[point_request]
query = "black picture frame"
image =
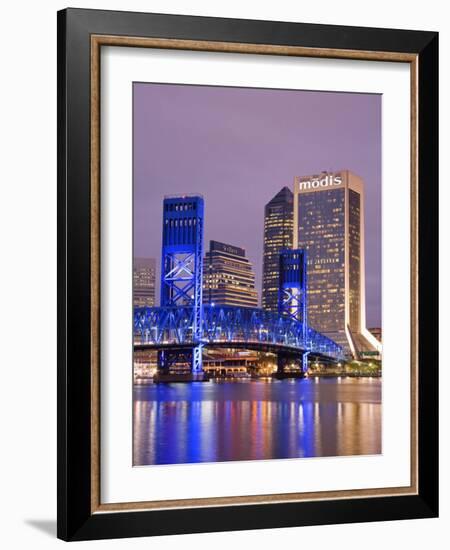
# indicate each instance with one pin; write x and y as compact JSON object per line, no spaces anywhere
{"x":75,"y":478}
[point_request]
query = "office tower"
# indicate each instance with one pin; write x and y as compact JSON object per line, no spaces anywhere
{"x":228,"y":277}
{"x":144,"y":282}
{"x":278,"y":228}
{"x":329,"y":225}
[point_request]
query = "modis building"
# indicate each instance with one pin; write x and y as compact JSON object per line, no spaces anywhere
{"x":329,"y":225}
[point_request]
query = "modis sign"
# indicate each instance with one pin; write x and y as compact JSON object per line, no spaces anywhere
{"x":328,"y":180}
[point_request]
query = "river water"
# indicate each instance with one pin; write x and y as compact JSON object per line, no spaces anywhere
{"x":258,"y":419}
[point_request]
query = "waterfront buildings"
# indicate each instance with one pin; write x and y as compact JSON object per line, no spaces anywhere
{"x":144,"y":282}
{"x":278,"y":227}
{"x":329,"y":225}
{"x":228,"y":276}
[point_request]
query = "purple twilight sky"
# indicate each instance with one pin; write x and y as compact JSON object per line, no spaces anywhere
{"x":238,"y":147}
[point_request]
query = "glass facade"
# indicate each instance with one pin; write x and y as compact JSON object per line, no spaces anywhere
{"x":228,"y":277}
{"x":354,"y":260}
{"x":278,"y":233}
{"x":321,"y":232}
{"x":144,"y":273}
{"x":329,"y":225}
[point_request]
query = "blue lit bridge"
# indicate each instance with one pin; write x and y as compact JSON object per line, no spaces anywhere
{"x":228,"y":326}
{"x":184,"y":325}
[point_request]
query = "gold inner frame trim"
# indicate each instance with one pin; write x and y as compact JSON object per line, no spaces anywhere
{"x":97,"y":41}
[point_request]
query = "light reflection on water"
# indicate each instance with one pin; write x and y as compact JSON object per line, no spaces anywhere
{"x":216,"y":422}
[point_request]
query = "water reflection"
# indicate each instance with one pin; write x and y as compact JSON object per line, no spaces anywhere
{"x":215,"y":422}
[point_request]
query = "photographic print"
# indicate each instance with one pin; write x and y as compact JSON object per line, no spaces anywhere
{"x":246,"y":315}
{"x":257,"y":300}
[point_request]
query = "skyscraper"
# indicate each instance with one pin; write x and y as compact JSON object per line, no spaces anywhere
{"x":228,"y":277}
{"x":278,"y":227}
{"x":144,"y":282}
{"x":329,"y":225}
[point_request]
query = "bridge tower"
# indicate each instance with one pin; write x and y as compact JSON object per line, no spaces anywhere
{"x":292,"y":294}
{"x":182,"y":264}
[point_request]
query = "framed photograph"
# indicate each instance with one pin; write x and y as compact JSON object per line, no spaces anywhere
{"x":247,"y":254}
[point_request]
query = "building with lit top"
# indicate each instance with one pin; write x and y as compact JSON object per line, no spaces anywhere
{"x":329,"y":225}
{"x":228,"y":277}
{"x":144,"y":271}
{"x":278,"y":228}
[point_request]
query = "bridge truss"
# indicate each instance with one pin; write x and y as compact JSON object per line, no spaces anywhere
{"x":158,"y":327}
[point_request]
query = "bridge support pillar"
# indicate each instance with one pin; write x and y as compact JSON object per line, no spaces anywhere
{"x":289,"y":365}
{"x":197,"y":360}
{"x":170,"y":361}
{"x":163,"y":361}
{"x":282,"y":361}
{"x":179,"y":365}
{"x":305,"y":361}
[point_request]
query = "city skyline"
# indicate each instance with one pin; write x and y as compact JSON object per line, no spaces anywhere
{"x":235,"y":214}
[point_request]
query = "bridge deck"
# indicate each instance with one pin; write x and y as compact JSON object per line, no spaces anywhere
{"x":228,"y":326}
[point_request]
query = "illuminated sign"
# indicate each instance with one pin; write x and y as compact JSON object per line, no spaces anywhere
{"x":228,"y":249}
{"x":329,"y":180}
